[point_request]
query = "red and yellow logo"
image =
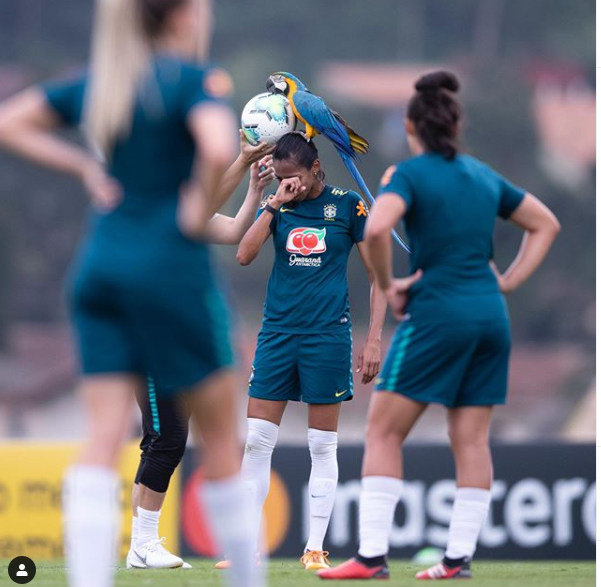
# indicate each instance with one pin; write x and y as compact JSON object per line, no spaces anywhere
{"x":195,"y":525}
{"x":306,"y":241}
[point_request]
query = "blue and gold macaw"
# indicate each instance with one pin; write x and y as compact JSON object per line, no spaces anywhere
{"x":319,"y":118}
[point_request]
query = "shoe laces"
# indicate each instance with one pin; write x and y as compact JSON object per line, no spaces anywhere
{"x":315,"y":556}
{"x":438,"y":570}
{"x":156,"y":545}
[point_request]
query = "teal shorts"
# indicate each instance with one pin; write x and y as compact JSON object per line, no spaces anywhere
{"x":312,"y":368}
{"x":127,"y":320}
{"x":454,"y":363}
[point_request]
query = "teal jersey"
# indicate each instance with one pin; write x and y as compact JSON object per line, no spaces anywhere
{"x":143,"y":295}
{"x":158,"y":154}
{"x":308,"y":287}
{"x":450,"y":219}
{"x":150,"y":163}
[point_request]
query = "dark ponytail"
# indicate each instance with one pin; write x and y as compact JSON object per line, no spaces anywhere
{"x":436,"y":113}
{"x":295,"y":147}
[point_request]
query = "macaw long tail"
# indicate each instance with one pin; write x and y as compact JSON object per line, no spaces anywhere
{"x":350,"y":165}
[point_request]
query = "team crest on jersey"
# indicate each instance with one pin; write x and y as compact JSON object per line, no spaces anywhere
{"x":329,"y":212}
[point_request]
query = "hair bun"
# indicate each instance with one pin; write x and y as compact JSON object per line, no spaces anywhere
{"x":437,"y":80}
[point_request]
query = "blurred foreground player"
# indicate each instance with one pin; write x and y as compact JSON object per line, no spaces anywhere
{"x":165,"y":419}
{"x":143,"y":294}
{"x":453,"y":344}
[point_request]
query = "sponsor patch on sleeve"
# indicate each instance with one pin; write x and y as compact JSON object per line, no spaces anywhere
{"x":387,"y":177}
{"x":218,"y":83}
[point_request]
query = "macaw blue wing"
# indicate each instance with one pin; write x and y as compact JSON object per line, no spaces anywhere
{"x":318,"y":115}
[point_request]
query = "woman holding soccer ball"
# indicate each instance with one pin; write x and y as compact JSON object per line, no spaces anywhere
{"x":144,"y":298}
{"x":304,"y":350}
{"x":453,"y":344}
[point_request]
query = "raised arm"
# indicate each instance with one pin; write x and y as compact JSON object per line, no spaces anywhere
{"x":541,"y":228}
{"x":27,"y":128}
{"x":371,"y":355}
{"x":214,"y":130}
{"x":259,"y":232}
{"x":232,"y":178}
{"x":226,"y":230}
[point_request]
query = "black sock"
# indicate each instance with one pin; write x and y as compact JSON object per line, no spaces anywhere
{"x":451,"y":563}
{"x":373,"y":561}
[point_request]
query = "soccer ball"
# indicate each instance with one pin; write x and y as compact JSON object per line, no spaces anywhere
{"x":267,"y":117}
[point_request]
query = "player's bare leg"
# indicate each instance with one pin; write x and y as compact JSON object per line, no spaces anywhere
{"x":91,"y":487}
{"x":264,"y":419}
{"x":213,"y":407}
{"x":469,"y":433}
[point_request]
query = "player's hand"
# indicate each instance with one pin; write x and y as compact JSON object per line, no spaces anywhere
{"x":288,"y":190}
{"x":104,"y":191}
{"x":191,"y":211}
{"x":501,"y":280}
{"x":398,"y":293}
{"x":369,"y":361}
{"x":262,"y":173}
{"x":252,"y":153}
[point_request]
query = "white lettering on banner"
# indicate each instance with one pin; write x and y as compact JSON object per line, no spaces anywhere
{"x":533,"y":513}
{"x":589,"y":512}
{"x":412,"y":532}
{"x":567,"y":491}
{"x":493,"y":536}
{"x":527,"y":507}
{"x":439,"y":505}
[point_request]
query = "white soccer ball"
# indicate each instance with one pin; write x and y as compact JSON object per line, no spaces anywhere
{"x":267,"y":117}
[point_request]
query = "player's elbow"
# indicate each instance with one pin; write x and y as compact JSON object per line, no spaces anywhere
{"x":554,"y":225}
{"x":219,"y":158}
{"x":375,"y":232}
{"x":243,"y":256}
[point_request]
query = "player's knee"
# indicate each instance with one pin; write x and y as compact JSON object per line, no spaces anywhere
{"x":378,"y":437}
{"x":261,"y":437}
{"x":157,"y":472}
{"x":322,"y":444}
{"x":467,"y":439}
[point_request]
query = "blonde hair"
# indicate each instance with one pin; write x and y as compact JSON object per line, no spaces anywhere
{"x":120,"y":58}
{"x":124,"y":31}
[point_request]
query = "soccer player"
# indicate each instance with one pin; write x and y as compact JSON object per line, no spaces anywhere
{"x":304,"y":350}
{"x":143,"y":295}
{"x":453,"y":344}
{"x":164,"y":419}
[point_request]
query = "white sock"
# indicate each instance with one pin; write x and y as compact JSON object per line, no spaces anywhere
{"x":379,"y":497}
{"x":91,"y":518}
{"x":148,"y":526}
{"x":261,"y":439}
{"x":134,"y":531}
{"x":228,"y":509}
{"x":322,"y":484}
{"x":469,"y":514}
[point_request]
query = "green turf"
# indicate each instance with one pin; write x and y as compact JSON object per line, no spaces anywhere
{"x":287,"y":573}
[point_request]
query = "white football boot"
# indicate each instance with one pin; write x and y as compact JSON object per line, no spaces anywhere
{"x":153,"y":555}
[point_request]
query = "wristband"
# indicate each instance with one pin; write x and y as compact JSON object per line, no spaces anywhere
{"x":271,"y":209}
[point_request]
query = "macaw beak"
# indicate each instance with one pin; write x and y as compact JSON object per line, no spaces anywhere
{"x":276,"y":86}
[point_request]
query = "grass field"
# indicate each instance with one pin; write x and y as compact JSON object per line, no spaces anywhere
{"x":288,"y":573}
